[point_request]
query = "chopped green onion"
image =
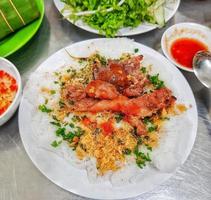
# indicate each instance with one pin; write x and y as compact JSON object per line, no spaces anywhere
{"x":43,"y":108}
{"x":55,"y":143}
{"x":156,"y":81}
{"x":126,"y":151}
{"x":119,"y":117}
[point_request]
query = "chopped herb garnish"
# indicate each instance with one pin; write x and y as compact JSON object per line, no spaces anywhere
{"x":56,"y":82}
{"x":55,"y":118}
{"x":79,"y":131}
{"x":141,"y":158}
{"x":60,"y":132}
{"x":62,"y":84}
{"x":69,"y":136}
{"x":149,"y":148}
{"x":71,"y":125}
{"x":53,"y":92}
{"x":68,"y":71}
{"x":126,"y":151}
{"x":139,"y":141}
{"x":76,"y":118}
{"x":119,"y":117}
{"x":136,"y":50}
{"x":61,"y":104}
{"x":143,"y":70}
{"x":150,"y":125}
{"x":156,"y":81}
{"x":165,"y":118}
{"x":43,"y":108}
{"x":55,"y":143}
{"x":56,"y":124}
{"x":46,"y":101}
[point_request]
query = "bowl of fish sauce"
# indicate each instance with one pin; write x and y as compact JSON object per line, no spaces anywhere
{"x":182,"y":41}
{"x":10,"y":90}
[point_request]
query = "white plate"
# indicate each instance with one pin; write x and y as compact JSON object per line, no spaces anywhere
{"x":170,"y":10}
{"x":180,"y":138}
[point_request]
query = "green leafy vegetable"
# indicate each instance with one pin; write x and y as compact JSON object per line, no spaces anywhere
{"x":141,"y":158}
{"x":126,"y":151}
{"x":143,"y":70}
{"x":156,"y":81}
{"x":136,"y":50}
{"x":56,"y":124}
{"x":61,"y":104}
{"x":76,"y":118}
{"x":119,"y":117}
{"x":53,"y":92}
{"x":150,"y":125}
{"x":55,"y":143}
{"x":109,"y":16}
{"x":43,"y":108}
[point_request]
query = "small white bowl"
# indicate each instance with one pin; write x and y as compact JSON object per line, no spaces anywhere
{"x":8,"y":67}
{"x":184,"y":30}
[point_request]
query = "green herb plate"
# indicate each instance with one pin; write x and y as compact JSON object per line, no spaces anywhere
{"x":15,"y":41}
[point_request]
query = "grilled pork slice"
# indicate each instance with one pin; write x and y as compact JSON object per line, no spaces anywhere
{"x":143,"y":106}
{"x":101,"y":90}
{"x":124,"y":75}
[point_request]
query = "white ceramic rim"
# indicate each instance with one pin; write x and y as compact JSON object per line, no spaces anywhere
{"x":152,"y":186}
{"x":201,"y":28}
{"x":18,"y":79}
{"x":152,"y":26}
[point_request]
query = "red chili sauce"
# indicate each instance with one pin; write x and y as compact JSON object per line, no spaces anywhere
{"x":184,"y":49}
{"x":8,"y":90}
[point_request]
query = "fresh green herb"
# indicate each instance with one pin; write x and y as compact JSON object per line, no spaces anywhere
{"x":55,"y":143}
{"x":140,"y":141}
{"x":69,"y":136}
{"x":46,"y":101}
{"x":131,"y":13}
{"x":68,"y":71}
{"x":56,"y":82}
{"x":143,"y":70}
{"x":55,"y":118}
{"x":79,"y":131}
{"x":119,"y":117}
{"x":71,"y":125}
{"x":43,"y":108}
{"x":165,"y":118}
{"x":76,"y":118}
{"x":126,"y":151}
{"x":156,"y":81}
{"x":136,"y":50}
{"x":61,"y":104}
{"x":62,"y":84}
{"x":56,"y":73}
{"x":149,"y":148}
{"x":53,"y":92}
{"x":56,"y":124}
{"x":60,"y":132}
{"x":141,"y":158}
{"x":150,"y":125}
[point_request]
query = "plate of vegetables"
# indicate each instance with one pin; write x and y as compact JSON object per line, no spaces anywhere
{"x":118,"y":17}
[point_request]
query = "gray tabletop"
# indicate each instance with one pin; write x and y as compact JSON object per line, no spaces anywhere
{"x":19,"y":178}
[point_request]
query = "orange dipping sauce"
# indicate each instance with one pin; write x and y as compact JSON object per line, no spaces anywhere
{"x":184,"y":49}
{"x":8,"y":90}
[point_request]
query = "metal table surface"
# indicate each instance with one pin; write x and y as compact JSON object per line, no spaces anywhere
{"x":19,"y":178}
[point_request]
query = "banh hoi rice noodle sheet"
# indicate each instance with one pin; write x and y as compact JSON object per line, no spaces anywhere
{"x":114,"y":116}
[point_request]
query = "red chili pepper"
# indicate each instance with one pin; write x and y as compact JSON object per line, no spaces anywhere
{"x":86,"y":121}
{"x":107,"y":127}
